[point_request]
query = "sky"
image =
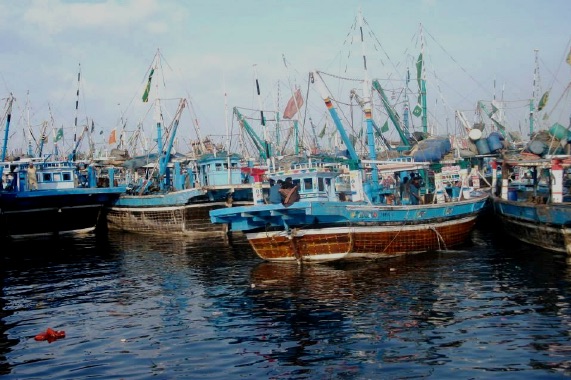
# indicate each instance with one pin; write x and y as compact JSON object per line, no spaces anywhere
{"x":214,"y":51}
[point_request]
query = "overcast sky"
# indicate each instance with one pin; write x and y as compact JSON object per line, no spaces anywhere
{"x":477,"y":49}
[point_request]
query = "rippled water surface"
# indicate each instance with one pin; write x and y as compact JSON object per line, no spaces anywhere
{"x":138,"y":307}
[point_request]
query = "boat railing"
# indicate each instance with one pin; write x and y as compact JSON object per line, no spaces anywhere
{"x":309,"y":167}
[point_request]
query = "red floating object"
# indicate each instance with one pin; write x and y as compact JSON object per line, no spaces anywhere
{"x":50,"y":335}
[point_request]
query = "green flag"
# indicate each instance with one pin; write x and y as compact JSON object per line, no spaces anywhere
{"x":59,"y":135}
{"x":543,"y":101}
{"x":417,"y":111}
{"x":148,"y":88}
{"x":385,"y":127}
{"x":419,"y":70}
{"x":322,"y":133}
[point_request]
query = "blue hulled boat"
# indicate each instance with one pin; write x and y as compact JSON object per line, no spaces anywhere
{"x":532,"y":200}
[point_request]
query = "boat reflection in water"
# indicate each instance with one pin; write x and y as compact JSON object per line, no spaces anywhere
{"x":311,"y":305}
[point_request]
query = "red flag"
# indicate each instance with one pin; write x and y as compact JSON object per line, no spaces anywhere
{"x":112,"y":139}
{"x":293,"y":105}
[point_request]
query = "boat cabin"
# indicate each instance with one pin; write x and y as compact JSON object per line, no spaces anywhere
{"x":219,"y":169}
{"x":315,"y":180}
{"x":50,"y":175}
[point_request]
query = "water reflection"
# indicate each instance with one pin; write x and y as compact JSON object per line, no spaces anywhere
{"x":171,"y":307}
{"x":343,"y":312}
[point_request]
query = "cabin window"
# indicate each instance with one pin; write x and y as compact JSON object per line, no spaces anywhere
{"x":320,"y":184}
{"x":218,"y":167}
{"x":46,"y":177}
{"x":308,"y":184}
{"x":66,"y":176}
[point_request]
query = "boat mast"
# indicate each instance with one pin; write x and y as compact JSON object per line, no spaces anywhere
{"x":43,"y":138}
{"x":316,"y":77}
{"x":367,"y":106}
{"x":535,"y":93}
{"x":229,"y":171}
{"x":226,"y":120}
{"x":74,"y":152}
{"x":30,"y":135}
{"x":164,"y":159}
{"x":9,"y":103}
{"x":422,"y":82}
{"x":263,"y":119}
{"x":56,"y":135}
{"x":406,"y":102}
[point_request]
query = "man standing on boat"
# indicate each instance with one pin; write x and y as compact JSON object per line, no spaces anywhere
{"x":414,"y":190}
{"x":275,"y":196}
{"x":31,"y":177}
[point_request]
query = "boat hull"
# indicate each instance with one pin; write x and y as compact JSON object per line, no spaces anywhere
{"x":53,"y":212}
{"x":357,"y":242}
{"x":327,"y":231}
{"x":546,"y":226}
{"x":190,"y":219}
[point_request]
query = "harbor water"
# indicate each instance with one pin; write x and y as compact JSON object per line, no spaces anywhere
{"x":136,"y":307}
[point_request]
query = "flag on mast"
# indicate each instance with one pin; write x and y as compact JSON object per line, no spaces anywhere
{"x":293,"y":105}
{"x":543,"y":101}
{"x":322,"y":133}
{"x":385,"y":127}
{"x":148,"y":88}
{"x":59,"y":135}
{"x":112,"y":138}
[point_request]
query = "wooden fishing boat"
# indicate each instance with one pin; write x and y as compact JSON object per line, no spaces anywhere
{"x":375,"y":218}
{"x":321,"y":227}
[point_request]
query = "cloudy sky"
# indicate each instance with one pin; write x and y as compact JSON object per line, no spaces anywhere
{"x":214,"y":50}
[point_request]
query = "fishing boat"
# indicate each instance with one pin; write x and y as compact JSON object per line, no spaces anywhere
{"x":172,"y":193}
{"x":532,"y":201}
{"x":159,"y":193}
{"x":68,"y":198}
{"x":323,"y":227}
{"x":373,"y":222}
{"x":531,"y":196}
{"x":44,"y":197}
{"x":196,"y":186}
